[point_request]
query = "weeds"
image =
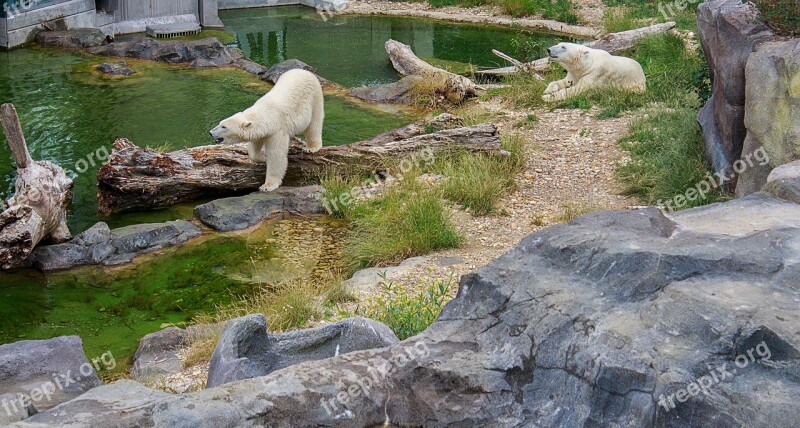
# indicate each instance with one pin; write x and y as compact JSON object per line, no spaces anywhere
{"x":559,"y":10}
{"x":405,"y":312}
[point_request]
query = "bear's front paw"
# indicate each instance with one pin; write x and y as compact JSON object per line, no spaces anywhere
{"x":548,"y":98}
{"x":552,"y":87}
{"x":312,"y":147}
{"x":270,"y":185}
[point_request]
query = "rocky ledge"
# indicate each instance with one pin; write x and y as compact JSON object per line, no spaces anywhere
{"x":100,"y":245}
{"x":623,"y":318}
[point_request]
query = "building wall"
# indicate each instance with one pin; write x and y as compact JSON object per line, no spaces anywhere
{"x":20,"y":28}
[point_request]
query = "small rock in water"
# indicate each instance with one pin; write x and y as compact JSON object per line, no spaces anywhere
{"x":115,"y":68}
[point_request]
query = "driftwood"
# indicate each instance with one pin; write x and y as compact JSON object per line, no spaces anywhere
{"x":137,"y":178}
{"x":37,"y":211}
{"x":611,"y":43}
{"x":408,"y":64}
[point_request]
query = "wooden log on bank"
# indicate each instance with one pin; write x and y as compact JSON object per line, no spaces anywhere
{"x":137,"y":178}
{"x":612,"y":43}
{"x":408,"y":64}
{"x":38,"y":209}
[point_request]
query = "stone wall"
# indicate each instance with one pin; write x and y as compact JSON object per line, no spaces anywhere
{"x":756,"y":94}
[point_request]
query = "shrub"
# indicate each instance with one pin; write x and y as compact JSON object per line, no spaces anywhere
{"x":405,"y":312}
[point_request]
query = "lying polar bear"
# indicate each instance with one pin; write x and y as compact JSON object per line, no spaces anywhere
{"x":589,"y":68}
{"x":294,"y":105}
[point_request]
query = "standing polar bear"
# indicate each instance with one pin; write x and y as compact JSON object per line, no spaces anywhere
{"x":589,"y":68}
{"x":294,"y":105}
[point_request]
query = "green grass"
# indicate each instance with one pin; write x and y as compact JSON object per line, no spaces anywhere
{"x":783,"y":16}
{"x":405,"y":312}
{"x":675,"y":78}
{"x":559,"y":10}
{"x":622,"y":15}
{"x":667,"y":157}
{"x":408,"y":220}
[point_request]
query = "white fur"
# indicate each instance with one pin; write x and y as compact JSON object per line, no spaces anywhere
{"x":294,"y":105}
{"x":589,"y":68}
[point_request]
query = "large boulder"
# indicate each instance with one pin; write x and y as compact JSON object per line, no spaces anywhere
{"x":72,"y":39}
{"x":157,"y":354}
{"x":208,"y":52}
{"x":245,"y":350}
{"x":772,"y":108}
{"x":101,"y":245}
{"x":729,"y":30}
{"x":241,"y":212}
{"x":40,"y":374}
{"x":784,"y":182}
{"x":624,"y":318}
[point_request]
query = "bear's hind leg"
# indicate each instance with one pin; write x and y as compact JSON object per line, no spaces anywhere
{"x":277,"y":149}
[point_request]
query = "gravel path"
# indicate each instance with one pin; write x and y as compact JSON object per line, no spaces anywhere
{"x":571,"y":164}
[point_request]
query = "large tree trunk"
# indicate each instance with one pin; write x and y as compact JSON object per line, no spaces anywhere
{"x":137,"y":178}
{"x":612,"y":43}
{"x":408,"y":64}
{"x":37,"y":211}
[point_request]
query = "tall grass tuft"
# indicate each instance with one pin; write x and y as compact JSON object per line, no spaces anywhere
{"x":667,"y":157}
{"x":406,"y":221}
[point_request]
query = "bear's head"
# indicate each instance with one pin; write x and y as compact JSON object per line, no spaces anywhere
{"x":235,"y":129}
{"x":569,"y":55}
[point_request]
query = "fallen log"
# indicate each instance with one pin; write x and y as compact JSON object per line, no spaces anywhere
{"x":37,"y":211}
{"x":611,"y":43}
{"x":407,"y":63}
{"x":137,"y":178}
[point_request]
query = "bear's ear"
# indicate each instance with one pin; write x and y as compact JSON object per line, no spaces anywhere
{"x":247,"y":125}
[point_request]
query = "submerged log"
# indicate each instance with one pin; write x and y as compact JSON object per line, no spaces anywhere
{"x":612,"y":43}
{"x":408,"y":64}
{"x":137,"y":178}
{"x":37,"y":211}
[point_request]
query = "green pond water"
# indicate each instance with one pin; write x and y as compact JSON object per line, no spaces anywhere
{"x":349,"y":50}
{"x":71,"y":114}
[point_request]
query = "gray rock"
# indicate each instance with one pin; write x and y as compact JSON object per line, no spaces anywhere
{"x":46,"y":372}
{"x":208,"y":52}
{"x":613,"y":319}
{"x":115,"y":68}
{"x":72,"y":39}
{"x":241,"y":212}
{"x":277,"y":70}
{"x":398,"y":92}
{"x":96,"y":234}
{"x":728,"y":30}
{"x":245,"y":350}
{"x":369,"y":279}
{"x":157,"y":354}
{"x":100,"y":245}
{"x":772,"y":103}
